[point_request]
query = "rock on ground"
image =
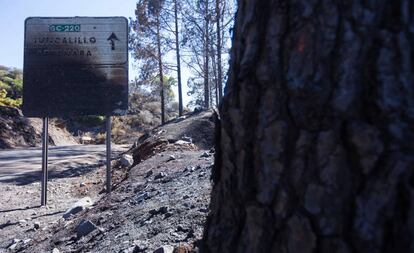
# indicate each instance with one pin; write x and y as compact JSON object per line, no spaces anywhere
{"x":84,"y":228}
{"x":165,"y":249}
{"x":127,"y":160}
{"x":77,"y":207}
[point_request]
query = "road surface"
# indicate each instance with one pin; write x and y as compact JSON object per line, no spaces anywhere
{"x":25,"y":165}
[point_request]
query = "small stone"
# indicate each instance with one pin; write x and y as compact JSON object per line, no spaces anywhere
{"x":164,"y":249}
{"x":182,"y":229}
{"x":55,"y":250}
{"x":159,"y":175}
{"x":15,"y":240}
{"x":168,"y":215}
{"x":182,"y":142}
{"x":36,"y":225}
{"x":22,"y":222}
{"x":79,"y":206}
{"x":187,"y":139}
{"x":127,"y":160}
{"x":139,"y":188}
{"x":84,"y":228}
{"x":174,"y":234}
{"x":26,"y":241}
{"x":189,"y":169}
{"x":171,"y":158}
{"x":205,"y":154}
{"x":149,"y":173}
{"x":142,"y":197}
{"x":13,"y":247}
{"x":82,"y":184}
{"x":163,"y":209}
{"x":138,"y":249}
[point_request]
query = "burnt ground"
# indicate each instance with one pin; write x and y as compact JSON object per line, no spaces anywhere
{"x":161,"y":200}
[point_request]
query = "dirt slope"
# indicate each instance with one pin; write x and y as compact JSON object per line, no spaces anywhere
{"x":18,"y":131}
{"x":162,"y":200}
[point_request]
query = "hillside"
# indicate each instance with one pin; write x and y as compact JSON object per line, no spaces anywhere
{"x":162,"y":200}
{"x":17,"y":131}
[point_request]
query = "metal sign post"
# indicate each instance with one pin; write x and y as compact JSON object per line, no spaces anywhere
{"x":108,"y":154}
{"x":45,"y":144}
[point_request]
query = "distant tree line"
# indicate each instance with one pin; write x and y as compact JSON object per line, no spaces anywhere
{"x":11,"y":86}
{"x":168,"y":34}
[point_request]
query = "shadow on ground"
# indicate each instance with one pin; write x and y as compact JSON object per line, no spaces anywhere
{"x":35,"y":176}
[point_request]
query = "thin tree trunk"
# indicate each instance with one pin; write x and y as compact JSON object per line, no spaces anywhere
{"x":219,"y":67}
{"x":177,"y":46}
{"x":206,"y":58}
{"x":315,"y":150}
{"x":160,"y":72}
{"x":214,"y":89}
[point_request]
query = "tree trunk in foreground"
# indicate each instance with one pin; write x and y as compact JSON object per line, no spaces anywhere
{"x":316,"y":150}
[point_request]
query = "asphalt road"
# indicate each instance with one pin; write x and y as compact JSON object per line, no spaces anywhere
{"x":24,"y":165}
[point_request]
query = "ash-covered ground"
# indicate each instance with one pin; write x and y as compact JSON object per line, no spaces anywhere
{"x":159,"y":202}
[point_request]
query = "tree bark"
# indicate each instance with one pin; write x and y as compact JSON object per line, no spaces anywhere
{"x":316,"y":143}
{"x":177,"y":48}
{"x":160,"y":71}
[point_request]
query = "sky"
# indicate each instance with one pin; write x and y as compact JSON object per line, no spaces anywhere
{"x":14,"y":12}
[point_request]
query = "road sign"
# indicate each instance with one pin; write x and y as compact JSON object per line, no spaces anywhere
{"x":75,"y":66}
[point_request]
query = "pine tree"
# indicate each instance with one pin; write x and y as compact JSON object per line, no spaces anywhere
{"x":148,"y":44}
{"x":315,"y":150}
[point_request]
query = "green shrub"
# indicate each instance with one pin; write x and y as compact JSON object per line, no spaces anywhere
{"x":91,"y":120}
{"x":11,"y":80}
{"x":4,"y":86}
{"x":6,"y":101}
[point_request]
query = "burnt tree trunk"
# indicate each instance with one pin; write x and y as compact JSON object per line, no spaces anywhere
{"x":160,"y":70}
{"x":219,"y":65}
{"x":206,"y":57}
{"x":178,"y":54}
{"x":316,"y":144}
